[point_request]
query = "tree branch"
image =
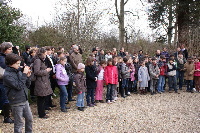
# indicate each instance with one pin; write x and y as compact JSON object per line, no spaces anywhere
{"x":125,"y":2}
{"x":142,"y":2}
{"x":117,"y":10}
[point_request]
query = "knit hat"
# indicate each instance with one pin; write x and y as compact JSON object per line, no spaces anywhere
{"x":81,"y":66}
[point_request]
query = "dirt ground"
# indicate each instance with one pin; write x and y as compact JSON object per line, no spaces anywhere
{"x":160,"y":113}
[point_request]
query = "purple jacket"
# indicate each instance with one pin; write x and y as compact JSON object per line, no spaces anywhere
{"x":61,"y":75}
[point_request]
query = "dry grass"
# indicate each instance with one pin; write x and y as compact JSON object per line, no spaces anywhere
{"x":168,"y":112}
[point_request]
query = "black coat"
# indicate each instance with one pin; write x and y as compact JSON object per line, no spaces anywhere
{"x":49,"y":65}
{"x":91,"y":73}
{"x":16,"y":84}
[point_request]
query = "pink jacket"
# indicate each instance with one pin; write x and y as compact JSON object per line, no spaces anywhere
{"x":132,"y":73}
{"x":111,"y":75}
{"x":197,"y":66}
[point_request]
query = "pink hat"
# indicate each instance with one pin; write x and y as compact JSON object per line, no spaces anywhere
{"x":81,"y":66}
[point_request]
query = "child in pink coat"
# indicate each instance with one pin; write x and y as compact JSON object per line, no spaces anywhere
{"x":100,"y":81}
{"x":111,"y":79}
{"x":197,"y":75}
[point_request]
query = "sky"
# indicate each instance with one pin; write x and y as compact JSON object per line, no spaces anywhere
{"x":40,"y":12}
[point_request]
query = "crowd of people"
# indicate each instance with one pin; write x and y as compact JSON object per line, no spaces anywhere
{"x":41,"y":70}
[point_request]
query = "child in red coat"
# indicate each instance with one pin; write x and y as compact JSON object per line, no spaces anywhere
{"x":111,"y":79}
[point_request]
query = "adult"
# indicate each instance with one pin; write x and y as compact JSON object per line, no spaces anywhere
{"x":75,"y":58}
{"x":101,"y":55}
{"x":6,"y":48}
{"x":95,"y":53}
{"x":32,"y":53}
{"x":50,"y":63}
{"x":114,"y":52}
{"x":180,"y":60}
{"x":158,"y":53}
{"x":122,"y":53}
{"x":108,"y":55}
{"x":184,"y":50}
{"x":42,"y":83}
{"x":140,"y":55}
{"x":176,"y":53}
{"x":25,"y":55}
{"x":17,"y":84}
{"x":165,"y":53}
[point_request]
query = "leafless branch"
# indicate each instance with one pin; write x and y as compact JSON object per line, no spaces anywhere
{"x":117,"y":10}
{"x":142,"y":2}
{"x":126,"y":2}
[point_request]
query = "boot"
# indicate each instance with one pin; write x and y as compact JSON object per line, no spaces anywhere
{"x":7,"y":110}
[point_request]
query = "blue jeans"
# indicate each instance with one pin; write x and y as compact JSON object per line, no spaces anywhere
{"x":63,"y":96}
{"x":172,"y":83}
{"x":3,"y":96}
{"x":80,"y":100}
{"x":180,"y":76}
{"x":125,"y":83}
{"x":90,"y":96}
{"x":189,"y":85}
{"x":161,"y":83}
{"x":110,"y":90}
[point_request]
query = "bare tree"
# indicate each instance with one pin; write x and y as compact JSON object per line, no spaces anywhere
{"x":121,"y":21}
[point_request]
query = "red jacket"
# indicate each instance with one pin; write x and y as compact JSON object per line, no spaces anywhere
{"x":197,"y":66}
{"x":111,"y":75}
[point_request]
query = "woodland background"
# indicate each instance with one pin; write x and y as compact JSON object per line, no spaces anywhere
{"x":174,"y":22}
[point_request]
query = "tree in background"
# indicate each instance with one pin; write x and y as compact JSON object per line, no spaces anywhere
{"x":162,"y":15}
{"x":10,"y":29}
{"x":181,"y":15}
{"x":47,"y":36}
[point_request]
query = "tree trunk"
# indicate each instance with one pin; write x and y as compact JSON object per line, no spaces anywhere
{"x":121,"y":25}
{"x":170,"y":28}
{"x":183,"y":21}
{"x":78,"y":23}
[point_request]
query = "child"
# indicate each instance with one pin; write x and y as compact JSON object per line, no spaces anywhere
{"x":91,"y":78}
{"x":115,"y":63}
{"x":119,"y":68}
{"x":111,"y":79}
{"x":125,"y":78}
{"x":100,"y":81}
{"x":197,"y":74}
{"x":80,"y":86}
{"x":17,"y":84}
{"x":180,"y":69}
{"x":163,"y":69}
{"x":154,"y":75}
{"x":172,"y":81}
{"x":62,"y":80}
{"x":132,"y":74}
{"x":189,"y":69}
{"x":136,"y":66}
{"x":143,"y":77}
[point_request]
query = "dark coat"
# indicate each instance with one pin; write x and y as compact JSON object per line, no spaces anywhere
{"x":16,"y":84}
{"x":42,"y":82}
{"x":49,"y":65}
{"x":91,"y":73}
{"x":2,"y":64}
{"x":79,"y":79}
